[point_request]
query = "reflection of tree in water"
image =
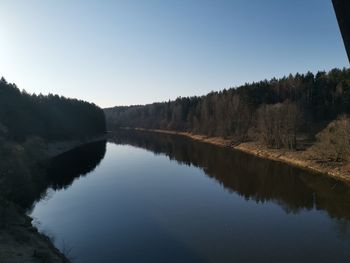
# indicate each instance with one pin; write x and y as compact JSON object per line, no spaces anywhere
{"x":60,"y":172}
{"x":253,"y":178}
{"x":342,"y":227}
{"x":65,"y":168}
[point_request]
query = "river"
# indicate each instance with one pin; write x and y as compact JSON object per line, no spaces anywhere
{"x":145,"y":197}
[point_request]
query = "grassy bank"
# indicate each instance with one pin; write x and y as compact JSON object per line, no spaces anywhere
{"x":290,"y":157}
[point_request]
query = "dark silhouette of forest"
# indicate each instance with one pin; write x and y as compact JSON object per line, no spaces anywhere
{"x":27,"y":124}
{"x":280,"y":112}
{"x":49,"y":117}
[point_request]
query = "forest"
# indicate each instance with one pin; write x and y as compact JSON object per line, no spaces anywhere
{"x":27,"y":124}
{"x":49,"y":117}
{"x":281,"y":113}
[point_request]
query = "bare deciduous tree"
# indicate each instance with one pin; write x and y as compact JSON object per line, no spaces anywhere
{"x":278,"y":124}
{"x":333,"y":143}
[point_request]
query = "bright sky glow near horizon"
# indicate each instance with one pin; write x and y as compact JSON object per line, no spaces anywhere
{"x":137,"y":52}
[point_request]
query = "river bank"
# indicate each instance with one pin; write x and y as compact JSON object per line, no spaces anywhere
{"x":58,"y":147}
{"x":294,"y":158}
{"x":20,"y":240}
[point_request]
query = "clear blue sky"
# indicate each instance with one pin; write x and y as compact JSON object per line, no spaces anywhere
{"x":136,"y":52}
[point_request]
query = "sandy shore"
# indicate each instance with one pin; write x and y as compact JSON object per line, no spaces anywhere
{"x":20,"y":242}
{"x":58,"y":147}
{"x":294,"y":158}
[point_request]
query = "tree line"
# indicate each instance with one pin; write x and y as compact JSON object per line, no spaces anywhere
{"x":27,"y":123}
{"x":50,"y":117}
{"x":276,"y":111}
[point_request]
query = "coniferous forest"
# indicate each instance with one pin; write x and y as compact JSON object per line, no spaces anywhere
{"x":49,"y":117}
{"x":203,"y":171}
{"x":278,"y":111}
{"x":27,"y":124}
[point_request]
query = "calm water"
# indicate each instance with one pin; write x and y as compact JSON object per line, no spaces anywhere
{"x":142,"y":197}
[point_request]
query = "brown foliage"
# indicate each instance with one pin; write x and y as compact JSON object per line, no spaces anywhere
{"x":333,"y":143}
{"x":278,"y":124}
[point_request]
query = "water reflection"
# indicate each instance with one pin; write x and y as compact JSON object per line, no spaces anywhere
{"x":60,"y":172}
{"x":65,"y":168}
{"x":141,"y":207}
{"x":253,"y":178}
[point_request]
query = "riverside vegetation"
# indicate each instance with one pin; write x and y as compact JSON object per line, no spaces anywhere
{"x":303,"y":115}
{"x":28,"y":124}
{"x":154,"y":192}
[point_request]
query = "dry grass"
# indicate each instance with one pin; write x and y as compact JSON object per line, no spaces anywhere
{"x":340,"y":171}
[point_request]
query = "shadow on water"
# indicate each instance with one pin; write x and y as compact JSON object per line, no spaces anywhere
{"x":61,"y":171}
{"x":251,"y":177}
{"x":65,"y":168}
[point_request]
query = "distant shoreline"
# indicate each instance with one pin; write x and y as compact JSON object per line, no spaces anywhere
{"x":293,"y":158}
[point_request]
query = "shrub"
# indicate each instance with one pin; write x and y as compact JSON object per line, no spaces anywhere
{"x":333,"y":143}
